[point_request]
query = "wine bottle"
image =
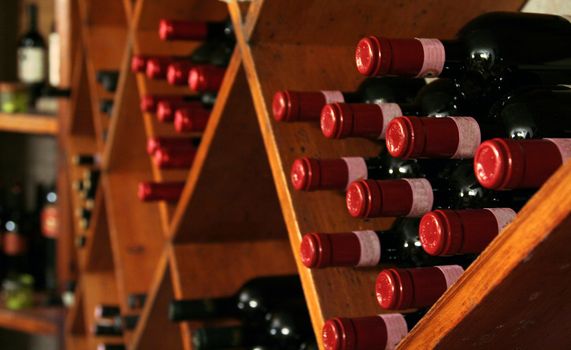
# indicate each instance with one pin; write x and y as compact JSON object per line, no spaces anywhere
{"x":284,"y":328}
{"x":191,"y":119}
{"x":172,"y":143}
{"x":32,"y":55}
{"x":15,"y":238}
{"x":108,"y":79}
{"x":136,"y":300}
{"x":291,"y":105}
{"x":177,"y":73}
{"x":149,"y":103}
{"x":105,"y":346}
{"x":106,"y":329}
{"x":173,"y":159}
{"x":106,"y":106}
{"x":311,"y":174}
{"x":166,"y":109}
{"x":490,"y":46}
{"x":399,"y":245}
{"x":157,"y":68}
{"x":106,"y":311}
{"x":415,"y":197}
{"x":529,"y":113}
{"x":84,"y":159}
{"x":439,"y":98}
{"x":160,"y":191}
{"x":206,"y":78}
{"x":126,"y":322}
{"x":251,"y":302}
{"x":399,"y":289}
{"x":194,"y":30}
{"x":469,"y":231}
{"x":371,"y":332}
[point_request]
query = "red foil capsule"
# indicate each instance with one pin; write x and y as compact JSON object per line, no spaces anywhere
{"x":157,"y":67}
{"x":166,"y":109}
{"x":139,"y":63}
{"x":309,"y":174}
{"x":149,"y":102}
{"x":177,"y":73}
{"x":170,"y":144}
{"x":191,"y":119}
{"x":290,"y":106}
{"x":206,"y":78}
{"x":182,"y":30}
{"x":160,"y":191}
{"x":502,"y":164}
{"x":171,"y":159}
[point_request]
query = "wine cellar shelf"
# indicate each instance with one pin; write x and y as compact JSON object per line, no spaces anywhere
{"x":238,"y":216}
{"x":29,"y":124}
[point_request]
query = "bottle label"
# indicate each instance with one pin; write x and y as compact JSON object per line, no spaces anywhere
{"x":396,"y":329}
{"x":564,"y":147}
{"x":333,"y":96}
{"x":503,"y":216}
{"x":31,"y":64}
{"x":389,"y":112}
{"x":54,"y":59}
{"x":356,"y":169}
{"x":451,"y":273}
{"x":370,"y":248}
{"x":422,"y":197}
{"x":469,"y":137}
{"x":434,"y":57}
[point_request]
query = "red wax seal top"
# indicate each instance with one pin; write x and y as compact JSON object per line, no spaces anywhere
{"x":182,"y":30}
{"x":177,"y":72}
{"x":412,"y":137}
{"x":374,"y":198}
{"x":506,"y":164}
{"x":191,"y":119}
{"x":398,"y":289}
{"x":340,"y":120}
{"x":138,"y":63}
{"x":330,"y":249}
{"x":377,"y":56}
{"x":449,"y":232}
{"x":362,"y":333}
{"x":309,"y":174}
{"x":206,"y":78}
{"x":288,"y":106}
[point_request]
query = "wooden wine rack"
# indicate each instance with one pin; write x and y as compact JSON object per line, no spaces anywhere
{"x":239,"y":217}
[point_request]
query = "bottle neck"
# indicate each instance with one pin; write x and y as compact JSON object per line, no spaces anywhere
{"x":186,"y":310}
{"x":454,"y":59}
{"x":33,"y":18}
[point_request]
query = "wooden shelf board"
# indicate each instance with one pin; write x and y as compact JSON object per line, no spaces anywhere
{"x":102,"y":13}
{"x":154,"y":330}
{"x":36,"y":124}
{"x":75,"y":317}
{"x":514,"y":295}
{"x":278,"y":58}
{"x":36,"y":320}
{"x":98,"y":254}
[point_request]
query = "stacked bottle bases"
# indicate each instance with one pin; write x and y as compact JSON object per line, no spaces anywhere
{"x":203,"y":71}
{"x":463,"y":154}
{"x":86,"y":188}
{"x":110,"y":323}
{"x":265,"y":313}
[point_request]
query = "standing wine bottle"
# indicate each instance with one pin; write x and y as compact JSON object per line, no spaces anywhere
{"x":32,"y":60}
{"x":191,"y":119}
{"x":399,"y":289}
{"x":15,"y":233}
{"x":251,"y":302}
{"x":160,"y":191}
{"x":416,"y":197}
{"x":529,"y":113}
{"x":54,"y":52}
{"x":439,"y":98}
{"x":455,"y":232}
{"x":400,"y":246}
{"x":195,"y":30}
{"x":311,"y":174}
{"x":502,"y":164}
{"x":291,"y":105}
{"x":108,"y":79}
{"x":286,"y":327}
{"x":379,"y":332}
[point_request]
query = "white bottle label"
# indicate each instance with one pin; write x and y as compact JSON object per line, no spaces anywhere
{"x":389,"y":112}
{"x":434,"y":57}
{"x":31,"y":64}
{"x":356,"y":169}
{"x":396,"y":329}
{"x":422,"y":197}
{"x":54,"y":59}
{"x":333,"y":96}
{"x":370,"y":248}
{"x":469,"y":137}
{"x":451,"y":273}
{"x":503,"y":216}
{"x":564,"y":147}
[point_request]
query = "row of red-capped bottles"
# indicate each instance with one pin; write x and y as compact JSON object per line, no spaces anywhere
{"x":463,"y":154}
{"x":203,"y":71}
